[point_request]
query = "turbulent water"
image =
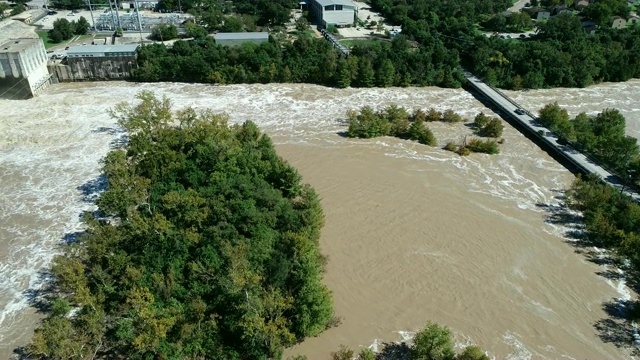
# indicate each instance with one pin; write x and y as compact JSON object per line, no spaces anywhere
{"x":413,"y":233}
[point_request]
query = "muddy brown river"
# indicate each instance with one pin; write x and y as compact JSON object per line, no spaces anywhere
{"x":413,"y":233}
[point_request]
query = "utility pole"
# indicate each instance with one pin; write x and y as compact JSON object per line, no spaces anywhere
{"x":93,"y":21}
{"x":115,"y":2}
{"x":135,"y":2}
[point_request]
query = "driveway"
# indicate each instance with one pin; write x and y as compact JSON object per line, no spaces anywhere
{"x":517,"y":6}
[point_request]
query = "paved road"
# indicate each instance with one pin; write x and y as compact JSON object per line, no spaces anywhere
{"x":519,"y":5}
{"x":578,"y":159}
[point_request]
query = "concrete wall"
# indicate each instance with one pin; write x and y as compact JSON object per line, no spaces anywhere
{"x":344,"y":17}
{"x":93,"y":69}
{"x":27,"y":66}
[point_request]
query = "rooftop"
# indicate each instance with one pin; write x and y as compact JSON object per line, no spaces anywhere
{"x":241,"y":36}
{"x":336,"y":2}
{"x":17,"y":45}
{"x":98,"y":49}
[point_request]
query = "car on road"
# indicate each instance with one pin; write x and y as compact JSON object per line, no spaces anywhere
{"x":519,"y":111}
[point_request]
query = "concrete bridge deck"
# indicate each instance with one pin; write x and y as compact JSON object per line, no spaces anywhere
{"x":529,"y":124}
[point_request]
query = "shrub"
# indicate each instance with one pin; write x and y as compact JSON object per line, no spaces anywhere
{"x":344,"y":353}
{"x":483,"y":146}
{"x":493,"y":128}
{"x":472,"y":353}
{"x":451,"y":117}
{"x":433,"y":115}
{"x":366,"y":354}
{"x":451,"y":147}
{"x":433,"y":343}
{"x":463,"y":151}
{"x":481,"y":120}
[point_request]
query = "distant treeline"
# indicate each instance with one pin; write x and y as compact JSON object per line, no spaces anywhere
{"x":314,"y":61}
{"x":561,"y":54}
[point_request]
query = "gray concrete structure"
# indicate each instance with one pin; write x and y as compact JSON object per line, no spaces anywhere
{"x":334,"y":12}
{"x":23,"y":68}
{"x":529,"y":125}
{"x":93,"y":69}
{"x":234,"y":39}
{"x":102,"y":51}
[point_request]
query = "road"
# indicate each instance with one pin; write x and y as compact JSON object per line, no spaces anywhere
{"x":519,"y":5}
{"x":528,"y":120}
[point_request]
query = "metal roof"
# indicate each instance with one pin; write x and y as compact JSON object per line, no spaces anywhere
{"x":242,"y":36}
{"x":336,"y":2}
{"x":98,"y":49}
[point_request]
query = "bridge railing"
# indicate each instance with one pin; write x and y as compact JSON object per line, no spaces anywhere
{"x":562,"y":151}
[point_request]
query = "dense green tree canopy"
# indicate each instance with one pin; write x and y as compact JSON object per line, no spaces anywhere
{"x":394,"y":63}
{"x":205,"y":246}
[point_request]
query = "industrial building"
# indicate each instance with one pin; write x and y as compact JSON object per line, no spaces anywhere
{"x":334,"y":12}
{"x":23,"y":68}
{"x":102,"y":51}
{"x":234,"y":39}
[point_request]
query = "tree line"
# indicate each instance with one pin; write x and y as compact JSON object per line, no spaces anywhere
{"x":601,"y":136}
{"x":611,"y":221}
{"x":205,"y":245}
{"x":314,"y":61}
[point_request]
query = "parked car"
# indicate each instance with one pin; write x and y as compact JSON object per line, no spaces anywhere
{"x":519,"y":111}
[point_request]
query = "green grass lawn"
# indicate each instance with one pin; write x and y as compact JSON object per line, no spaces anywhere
{"x":44,"y":35}
{"x":45,"y":38}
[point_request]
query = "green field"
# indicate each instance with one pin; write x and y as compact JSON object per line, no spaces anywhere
{"x":44,"y":35}
{"x":45,"y":38}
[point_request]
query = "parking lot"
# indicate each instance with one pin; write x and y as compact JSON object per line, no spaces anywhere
{"x":365,"y":13}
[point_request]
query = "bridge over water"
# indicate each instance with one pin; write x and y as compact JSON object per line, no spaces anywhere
{"x":529,"y":125}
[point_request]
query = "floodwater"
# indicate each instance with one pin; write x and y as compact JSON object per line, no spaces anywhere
{"x":413,"y":233}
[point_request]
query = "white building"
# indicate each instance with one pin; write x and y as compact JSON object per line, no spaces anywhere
{"x":102,"y":51}
{"x":23,"y":68}
{"x":334,"y":12}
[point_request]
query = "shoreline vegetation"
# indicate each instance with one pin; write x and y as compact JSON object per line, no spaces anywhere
{"x":398,"y":122}
{"x":437,"y":39}
{"x":204,"y":245}
{"x":601,"y":136}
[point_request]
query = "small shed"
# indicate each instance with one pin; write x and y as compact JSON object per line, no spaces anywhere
{"x":235,"y":39}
